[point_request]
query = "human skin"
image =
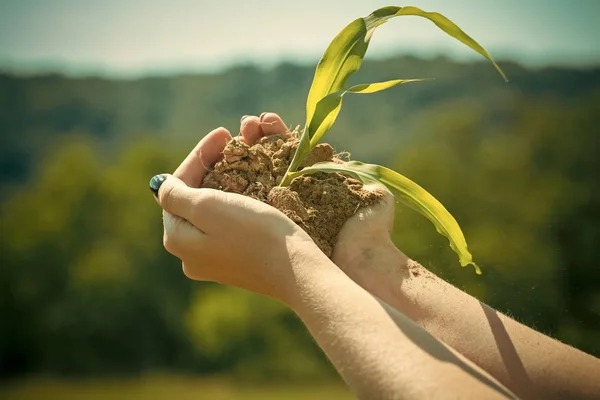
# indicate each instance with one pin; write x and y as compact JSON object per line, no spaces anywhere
{"x":379,"y":352}
{"x":529,"y":363}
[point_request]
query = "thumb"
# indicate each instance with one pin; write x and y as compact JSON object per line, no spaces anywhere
{"x":382,"y":212}
{"x":175,"y":197}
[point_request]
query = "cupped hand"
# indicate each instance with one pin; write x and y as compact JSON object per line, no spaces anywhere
{"x":364,"y":249}
{"x":365,"y":252}
{"x":230,"y":238}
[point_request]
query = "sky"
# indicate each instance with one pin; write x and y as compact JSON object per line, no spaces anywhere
{"x":141,"y":37}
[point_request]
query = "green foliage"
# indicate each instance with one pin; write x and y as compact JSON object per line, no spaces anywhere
{"x":258,"y":336}
{"x":93,"y":290}
{"x":86,"y":288}
{"x":167,"y":387}
{"x":408,"y":193}
{"x":341,"y":60}
{"x":528,"y":205}
{"x":324,"y":117}
{"x":346,"y":52}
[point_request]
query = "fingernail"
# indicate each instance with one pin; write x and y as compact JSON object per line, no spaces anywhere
{"x":243,"y":118}
{"x":155,"y":183}
{"x":262,"y":115}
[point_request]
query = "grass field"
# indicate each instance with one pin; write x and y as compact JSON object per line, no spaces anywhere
{"x":165,"y":387}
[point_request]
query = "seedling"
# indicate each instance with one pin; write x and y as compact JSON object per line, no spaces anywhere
{"x":341,"y":60}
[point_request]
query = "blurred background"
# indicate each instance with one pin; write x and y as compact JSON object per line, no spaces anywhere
{"x":97,"y":97}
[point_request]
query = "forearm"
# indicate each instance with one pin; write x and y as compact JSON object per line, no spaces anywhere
{"x":528,"y":362}
{"x":380,"y":357}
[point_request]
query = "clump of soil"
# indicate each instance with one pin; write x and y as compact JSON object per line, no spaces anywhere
{"x":319,"y":203}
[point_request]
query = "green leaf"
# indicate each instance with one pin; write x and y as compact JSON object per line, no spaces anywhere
{"x":326,"y":113}
{"x":346,"y":52}
{"x":410,"y":194}
{"x":329,"y":107}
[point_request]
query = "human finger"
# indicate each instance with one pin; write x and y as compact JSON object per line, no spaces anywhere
{"x":250,"y":129}
{"x":181,"y":238}
{"x":272,"y":124}
{"x":191,"y":204}
{"x":206,"y":153}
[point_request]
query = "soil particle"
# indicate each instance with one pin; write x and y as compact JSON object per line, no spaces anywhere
{"x":319,"y":203}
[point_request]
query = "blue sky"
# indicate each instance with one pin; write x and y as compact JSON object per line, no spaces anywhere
{"x":137,"y":37}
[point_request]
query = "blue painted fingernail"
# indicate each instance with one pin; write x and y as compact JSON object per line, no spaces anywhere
{"x":155,"y":183}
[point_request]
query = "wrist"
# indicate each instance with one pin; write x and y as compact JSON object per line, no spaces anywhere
{"x":314,"y":277}
{"x":309,"y":268}
{"x":379,"y":267}
{"x":369,"y":259}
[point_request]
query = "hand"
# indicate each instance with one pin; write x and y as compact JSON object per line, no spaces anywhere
{"x":365,"y":252}
{"x":230,"y":238}
{"x":364,"y":249}
{"x":236,"y":240}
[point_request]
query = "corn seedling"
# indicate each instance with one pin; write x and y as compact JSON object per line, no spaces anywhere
{"x":341,"y":60}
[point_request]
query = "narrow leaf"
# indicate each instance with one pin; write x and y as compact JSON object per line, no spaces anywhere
{"x":410,"y":194}
{"x":326,"y":113}
{"x":346,"y":52}
{"x":329,"y":107}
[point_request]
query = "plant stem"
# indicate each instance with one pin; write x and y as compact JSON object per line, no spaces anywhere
{"x":287,"y":178}
{"x":301,"y":151}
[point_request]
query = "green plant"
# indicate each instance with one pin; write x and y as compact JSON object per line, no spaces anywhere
{"x":343,"y":58}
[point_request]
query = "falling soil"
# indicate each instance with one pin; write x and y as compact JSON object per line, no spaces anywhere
{"x":319,"y":203}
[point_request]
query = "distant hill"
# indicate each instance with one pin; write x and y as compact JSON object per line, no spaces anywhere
{"x":35,"y":111}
